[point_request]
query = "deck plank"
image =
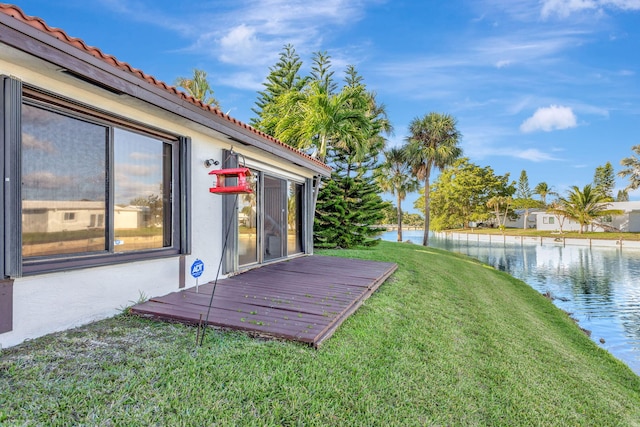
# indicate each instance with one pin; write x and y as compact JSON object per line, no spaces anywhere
{"x":303,"y":299}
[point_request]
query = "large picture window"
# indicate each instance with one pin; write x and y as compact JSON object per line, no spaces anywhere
{"x":64,"y":175}
{"x":94,"y":188}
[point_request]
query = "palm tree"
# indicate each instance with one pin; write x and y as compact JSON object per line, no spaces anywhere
{"x":394,"y":176}
{"x":198,"y":87}
{"x":432,"y":143}
{"x":632,"y":171}
{"x":543,"y":190}
{"x":314,"y":119}
{"x":584,"y":206}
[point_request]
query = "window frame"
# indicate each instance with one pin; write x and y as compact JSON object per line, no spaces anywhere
{"x":14,"y":264}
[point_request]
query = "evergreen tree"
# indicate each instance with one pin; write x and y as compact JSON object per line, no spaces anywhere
{"x":524,"y":197}
{"x":523,"y":190}
{"x":331,"y":211}
{"x":322,"y":73}
{"x":352,"y":78}
{"x":348,"y":206}
{"x":622,"y":196}
{"x":604,"y":181}
{"x":283,"y":77}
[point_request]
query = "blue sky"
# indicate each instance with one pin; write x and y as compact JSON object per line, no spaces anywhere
{"x":548,"y":86}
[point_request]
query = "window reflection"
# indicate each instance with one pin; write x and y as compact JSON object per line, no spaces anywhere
{"x":63,"y":184}
{"x":66,"y":187}
{"x":140,"y":196}
{"x":294,"y":218}
{"x":248,"y":226}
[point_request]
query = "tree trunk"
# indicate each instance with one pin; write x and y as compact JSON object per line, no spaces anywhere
{"x":399,"y":220}
{"x":425,"y":238}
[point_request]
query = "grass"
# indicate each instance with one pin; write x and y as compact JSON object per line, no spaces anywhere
{"x":446,"y":341}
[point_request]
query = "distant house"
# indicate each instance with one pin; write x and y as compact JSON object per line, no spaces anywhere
{"x":517,"y":220}
{"x":107,"y":181}
{"x":628,"y":221}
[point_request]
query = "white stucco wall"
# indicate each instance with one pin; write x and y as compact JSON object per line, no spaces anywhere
{"x":52,"y":302}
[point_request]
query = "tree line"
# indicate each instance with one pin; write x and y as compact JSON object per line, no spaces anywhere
{"x":466,"y":193}
{"x":342,"y":124}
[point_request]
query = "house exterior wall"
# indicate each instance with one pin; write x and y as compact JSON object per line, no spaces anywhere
{"x":518,"y":221}
{"x":634,"y":221}
{"x":549,"y":222}
{"x":45,"y":303}
{"x":628,"y":221}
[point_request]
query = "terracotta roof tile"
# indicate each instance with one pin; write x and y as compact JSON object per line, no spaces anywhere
{"x":59,"y":34}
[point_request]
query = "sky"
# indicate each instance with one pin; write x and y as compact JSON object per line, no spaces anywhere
{"x":551,"y":87}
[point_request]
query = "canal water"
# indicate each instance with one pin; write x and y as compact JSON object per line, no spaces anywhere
{"x":599,"y":286}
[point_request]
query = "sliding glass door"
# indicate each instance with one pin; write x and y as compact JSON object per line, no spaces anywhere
{"x":294,"y":218}
{"x":274,"y":220}
{"x":269,"y":220}
{"x":248,"y":226}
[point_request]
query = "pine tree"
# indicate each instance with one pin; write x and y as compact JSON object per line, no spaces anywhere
{"x":523,"y":190}
{"x":604,"y":181}
{"x":321,"y":72}
{"x":348,"y":206}
{"x":283,"y":77}
{"x":331,"y":208}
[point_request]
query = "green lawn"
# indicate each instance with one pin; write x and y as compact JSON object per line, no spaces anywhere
{"x":446,"y":341}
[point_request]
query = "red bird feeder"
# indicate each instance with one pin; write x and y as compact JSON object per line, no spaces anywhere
{"x":242,"y":186}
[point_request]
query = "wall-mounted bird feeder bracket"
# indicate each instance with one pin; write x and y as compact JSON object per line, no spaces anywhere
{"x":241,"y":186}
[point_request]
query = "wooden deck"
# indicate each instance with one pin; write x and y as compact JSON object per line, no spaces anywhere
{"x":303,"y":299}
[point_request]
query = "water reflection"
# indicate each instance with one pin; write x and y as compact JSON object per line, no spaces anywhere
{"x":600,"y":287}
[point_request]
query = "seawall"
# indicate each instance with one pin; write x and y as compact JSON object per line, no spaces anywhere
{"x":540,"y":240}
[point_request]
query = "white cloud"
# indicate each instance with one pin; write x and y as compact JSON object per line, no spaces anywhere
{"x":533,"y":154}
{"x":137,"y":155}
{"x":31,"y":142}
{"x":239,"y":44}
{"x":564,"y":8}
{"x":123,"y":169}
{"x":550,"y":118}
{"x":47,"y":180}
{"x":242,"y":80}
